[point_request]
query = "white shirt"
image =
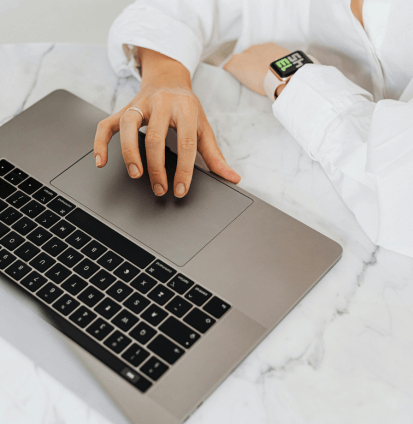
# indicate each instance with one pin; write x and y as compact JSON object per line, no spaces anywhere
{"x":353,"y":114}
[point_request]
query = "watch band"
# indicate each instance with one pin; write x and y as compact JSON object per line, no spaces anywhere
{"x":272,"y":81}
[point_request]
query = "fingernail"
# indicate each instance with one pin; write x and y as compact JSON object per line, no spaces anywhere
{"x":158,"y":189}
{"x":98,"y":160}
{"x":134,"y":171}
{"x":180,"y":190}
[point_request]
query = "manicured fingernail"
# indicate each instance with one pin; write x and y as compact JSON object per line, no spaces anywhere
{"x":180,"y":190}
{"x":98,"y":160}
{"x":158,"y":189}
{"x":134,"y":171}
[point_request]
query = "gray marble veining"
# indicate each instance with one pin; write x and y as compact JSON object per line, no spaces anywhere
{"x":343,"y":355}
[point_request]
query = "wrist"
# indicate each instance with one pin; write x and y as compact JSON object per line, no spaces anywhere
{"x":158,"y":69}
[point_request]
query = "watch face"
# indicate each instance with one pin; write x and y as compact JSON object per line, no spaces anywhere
{"x":288,"y":65}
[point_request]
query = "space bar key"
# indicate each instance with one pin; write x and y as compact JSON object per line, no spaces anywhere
{"x":110,"y":238}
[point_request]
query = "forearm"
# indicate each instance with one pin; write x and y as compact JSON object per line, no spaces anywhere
{"x":162,"y":70}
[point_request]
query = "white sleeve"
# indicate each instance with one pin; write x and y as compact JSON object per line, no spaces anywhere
{"x":181,"y":29}
{"x":365,"y":148}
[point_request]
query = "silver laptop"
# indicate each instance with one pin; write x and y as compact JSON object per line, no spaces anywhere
{"x":160,"y":298}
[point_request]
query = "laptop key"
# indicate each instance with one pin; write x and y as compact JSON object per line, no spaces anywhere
{"x":6,"y":258}
{"x":61,"y":206}
{"x":74,"y":284}
{"x":102,"y":279}
{"x":47,"y":219}
{"x":16,"y":176}
{"x":42,"y":262}
{"x":10,"y":216}
{"x":90,"y":296}
{"x":33,"y":281}
{"x":117,"y":341}
{"x":143,"y":283}
{"x":126,"y":272}
{"x":30,"y":186}
{"x":94,"y":250}
{"x":27,"y":251}
{"x":86,"y":268}
{"x":82,"y":316}
{"x":154,"y":368}
{"x":110,"y":260}
{"x":124,"y":320}
{"x":58,"y":273}
{"x":3,"y":205}
{"x":12,"y":241}
{"x":24,"y":226}
{"x":142,"y":333}
{"x":160,"y":294}
{"x":198,"y":295}
{"x":3,"y":230}
{"x":180,"y":284}
{"x":119,"y":291}
{"x":107,"y":308}
{"x":136,"y":303}
{"x":161,"y":271}
{"x":33,"y":209}
{"x":54,"y":247}
{"x":199,"y":320}
{"x":135,"y":355}
{"x":6,"y":189}
{"x":49,"y":293}
{"x":217,"y":307}
{"x":39,"y":236}
{"x":78,"y":239}
{"x":45,"y":195}
{"x":70,"y":257}
{"x":165,"y":349}
{"x":110,"y":238}
{"x":5,"y":167}
{"x":62,"y":229}
{"x":66,"y":304}
{"x":179,"y":332}
{"x":154,"y":315}
{"x":18,"y":199}
{"x":18,"y":270}
{"x":178,"y":306}
{"x":100,"y":329}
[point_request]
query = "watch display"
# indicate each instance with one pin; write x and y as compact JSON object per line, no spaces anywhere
{"x":288,"y":65}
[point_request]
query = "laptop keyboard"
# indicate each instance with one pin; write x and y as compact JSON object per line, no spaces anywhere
{"x":129,"y":309}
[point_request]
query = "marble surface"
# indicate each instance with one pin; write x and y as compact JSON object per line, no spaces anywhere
{"x":343,"y":355}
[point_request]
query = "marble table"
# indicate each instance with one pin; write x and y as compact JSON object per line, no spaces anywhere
{"x":343,"y":355}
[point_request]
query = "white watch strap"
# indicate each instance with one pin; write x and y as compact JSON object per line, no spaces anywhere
{"x":271,"y":82}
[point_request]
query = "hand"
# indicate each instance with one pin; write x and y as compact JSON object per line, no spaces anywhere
{"x":251,"y":66}
{"x":166,"y":100}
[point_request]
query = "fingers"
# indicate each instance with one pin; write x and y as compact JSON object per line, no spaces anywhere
{"x":130,"y":122}
{"x":213,"y":157}
{"x":104,"y":133}
{"x":187,"y":124}
{"x":155,"y":150}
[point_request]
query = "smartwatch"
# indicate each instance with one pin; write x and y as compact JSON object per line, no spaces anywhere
{"x":281,"y":70}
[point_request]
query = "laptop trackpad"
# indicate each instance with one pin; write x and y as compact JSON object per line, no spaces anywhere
{"x":175,"y":228}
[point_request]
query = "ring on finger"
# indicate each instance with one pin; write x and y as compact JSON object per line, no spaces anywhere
{"x":136,"y":110}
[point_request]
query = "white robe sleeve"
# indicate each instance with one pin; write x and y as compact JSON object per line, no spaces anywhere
{"x":365,"y":148}
{"x":184,"y":30}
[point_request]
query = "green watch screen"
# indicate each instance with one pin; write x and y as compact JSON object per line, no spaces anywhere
{"x":288,"y":65}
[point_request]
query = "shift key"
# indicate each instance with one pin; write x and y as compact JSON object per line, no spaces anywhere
{"x":179,"y":332}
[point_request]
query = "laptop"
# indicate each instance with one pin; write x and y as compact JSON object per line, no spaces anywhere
{"x":160,"y":298}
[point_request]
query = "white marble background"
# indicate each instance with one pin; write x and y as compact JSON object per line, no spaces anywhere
{"x":343,"y":355}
